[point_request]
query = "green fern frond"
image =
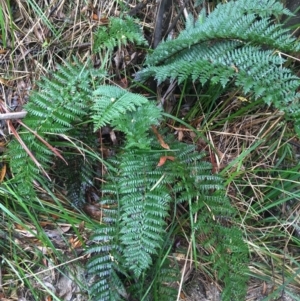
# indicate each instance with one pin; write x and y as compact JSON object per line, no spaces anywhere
{"x":136,"y":124}
{"x":59,"y":106}
{"x":144,"y":205}
{"x":230,"y":261}
{"x":256,"y":71}
{"x":232,"y":21}
{"x":111,"y":102}
{"x":106,"y":260}
{"x":235,"y":20}
{"x":231,"y":45}
{"x":139,"y":195}
{"x":206,"y":195}
{"x":109,"y":286}
{"x":119,"y":32}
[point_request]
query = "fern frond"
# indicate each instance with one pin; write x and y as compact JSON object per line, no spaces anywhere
{"x":231,"y":45}
{"x":62,"y":102}
{"x":143,"y":208}
{"x":231,"y":265}
{"x":236,"y":21}
{"x":256,"y":71}
{"x":106,"y":260}
{"x":109,"y":286}
{"x":139,"y":196}
{"x":205,"y":194}
{"x":135,"y":125}
{"x":119,"y":32}
{"x":112,"y":102}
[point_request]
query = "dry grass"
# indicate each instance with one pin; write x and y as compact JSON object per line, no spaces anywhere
{"x":257,"y":152}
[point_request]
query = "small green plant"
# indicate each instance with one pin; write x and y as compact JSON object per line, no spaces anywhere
{"x":59,"y":109}
{"x":118,"y":33}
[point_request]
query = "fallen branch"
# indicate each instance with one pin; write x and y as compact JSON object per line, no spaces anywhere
{"x":13,"y":115}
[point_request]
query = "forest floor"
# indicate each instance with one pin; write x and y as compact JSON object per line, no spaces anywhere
{"x":36,"y":36}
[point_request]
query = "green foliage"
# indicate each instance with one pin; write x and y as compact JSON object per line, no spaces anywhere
{"x":136,"y":125}
{"x":60,"y":115}
{"x":60,"y":105}
{"x":139,"y":195}
{"x":136,"y":201}
{"x":111,"y":103}
{"x":119,"y":32}
{"x":238,"y":41}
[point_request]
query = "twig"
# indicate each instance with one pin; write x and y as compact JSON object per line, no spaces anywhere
{"x":138,"y":7}
{"x":164,"y":6}
{"x":13,"y":115}
{"x":172,"y":26}
{"x":183,"y":271}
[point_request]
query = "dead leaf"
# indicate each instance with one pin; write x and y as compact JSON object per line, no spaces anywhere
{"x":161,"y":141}
{"x":180,"y":135}
{"x":3,"y":51}
{"x":264,"y":289}
{"x":75,"y":242}
{"x":4,"y":81}
{"x":2,"y":172}
{"x":163,"y":160}
{"x":92,"y":211}
{"x":124,"y":83}
{"x":104,"y":20}
{"x":100,"y":19}
{"x":65,"y":288}
{"x":58,"y":231}
{"x":95,"y":17}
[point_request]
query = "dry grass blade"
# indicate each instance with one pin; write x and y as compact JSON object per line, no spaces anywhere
{"x":53,"y":149}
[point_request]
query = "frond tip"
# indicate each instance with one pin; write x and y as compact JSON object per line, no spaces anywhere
{"x":119,"y":32}
{"x":111,"y":102}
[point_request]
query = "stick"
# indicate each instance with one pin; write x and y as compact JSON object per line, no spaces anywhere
{"x":13,"y":115}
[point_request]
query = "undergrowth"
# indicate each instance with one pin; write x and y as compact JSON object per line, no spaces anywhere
{"x":155,"y":185}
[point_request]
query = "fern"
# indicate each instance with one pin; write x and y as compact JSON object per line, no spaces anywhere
{"x":119,"y":32}
{"x":206,"y":197}
{"x":138,"y":198}
{"x":112,"y":102}
{"x":60,"y":105}
{"x":138,"y":195}
{"x":231,"y":44}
